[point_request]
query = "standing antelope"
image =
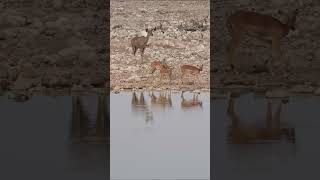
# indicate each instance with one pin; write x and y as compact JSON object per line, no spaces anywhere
{"x":194,"y":102}
{"x":263,"y":27}
{"x":188,"y":69}
{"x":141,"y":42}
{"x":163,"y":68}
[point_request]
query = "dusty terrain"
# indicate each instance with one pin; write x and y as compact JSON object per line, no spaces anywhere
{"x":183,"y":39}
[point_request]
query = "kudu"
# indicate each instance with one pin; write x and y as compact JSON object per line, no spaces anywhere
{"x":263,"y":27}
{"x":141,"y":42}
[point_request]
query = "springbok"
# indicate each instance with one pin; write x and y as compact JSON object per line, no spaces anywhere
{"x":246,"y":135}
{"x":141,"y":42}
{"x":263,"y":27}
{"x":192,"y":70}
{"x":163,"y":68}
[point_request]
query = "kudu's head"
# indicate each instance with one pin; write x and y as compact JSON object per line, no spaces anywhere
{"x":150,"y":31}
{"x":291,"y":19}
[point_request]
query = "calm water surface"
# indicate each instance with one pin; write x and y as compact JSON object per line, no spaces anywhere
{"x":281,"y":159}
{"x":158,"y":137}
{"x":38,"y":140}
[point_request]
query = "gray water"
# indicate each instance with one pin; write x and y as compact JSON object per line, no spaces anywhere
{"x":36,"y":143}
{"x":279,"y":160}
{"x":159,"y":142}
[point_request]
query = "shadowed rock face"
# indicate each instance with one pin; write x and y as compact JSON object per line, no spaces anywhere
{"x":53,"y":43}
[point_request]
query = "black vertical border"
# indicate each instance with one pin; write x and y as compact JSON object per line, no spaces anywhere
{"x":211,"y":89}
{"x":107,"y":124}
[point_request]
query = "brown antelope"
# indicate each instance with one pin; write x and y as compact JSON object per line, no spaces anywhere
{"x":164,"y":99}
{"x":194,"y":102}
{"x":163,"y":68}
{"x":141,"y":42}
{"x":263,"y":27}
{"x":245,"y":135}
{"x":192,"y":70}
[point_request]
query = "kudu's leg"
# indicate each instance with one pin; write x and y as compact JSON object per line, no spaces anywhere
{"x":134,"y":50}
{"x":142,"y":54}
{"x":275,"y":53}
{"x":234,"y":44}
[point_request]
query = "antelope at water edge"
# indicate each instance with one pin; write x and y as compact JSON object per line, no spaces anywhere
{"x":263,"y":27}
{"x":163,"y":68}
{"x":192,"y":70}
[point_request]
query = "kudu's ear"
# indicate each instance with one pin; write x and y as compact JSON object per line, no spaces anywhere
{"x":280,"y":12}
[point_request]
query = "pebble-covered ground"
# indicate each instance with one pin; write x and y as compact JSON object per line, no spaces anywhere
{"x":183,"y":39}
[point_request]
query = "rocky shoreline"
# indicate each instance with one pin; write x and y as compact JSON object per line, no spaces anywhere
{"x":184,"y":38}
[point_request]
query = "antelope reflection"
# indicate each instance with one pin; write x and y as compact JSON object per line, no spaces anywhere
{"x":163,"y":100}
{"x":84,"y":129}
{"x":272,"y":132}
{"x":139,"y":105}
{"x":192,"y":103}
{"x":20,"y":96}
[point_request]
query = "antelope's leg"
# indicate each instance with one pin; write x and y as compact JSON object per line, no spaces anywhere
{"x":134,"y":49}
{"x":234,"y":43}
{"x":275,"y":53}
{"x":142,"y":54}
{"x":182,"y":74}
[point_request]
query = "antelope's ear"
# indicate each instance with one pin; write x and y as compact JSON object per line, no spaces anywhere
{"x":280,"y":12}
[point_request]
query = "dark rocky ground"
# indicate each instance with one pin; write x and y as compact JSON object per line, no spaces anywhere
{"x":53,"y":44}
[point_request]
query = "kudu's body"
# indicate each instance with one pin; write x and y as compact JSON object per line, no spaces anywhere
{"x":263,"y":27}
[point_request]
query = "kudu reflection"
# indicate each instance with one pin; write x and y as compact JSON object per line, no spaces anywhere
{"x":139,"y":105}
{"x":191,"y":103}
{"x":271,"y":133}
{"x":84,"y":129}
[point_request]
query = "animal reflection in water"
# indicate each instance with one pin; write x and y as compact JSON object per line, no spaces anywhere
{"x":139,"y":105}
{"x":86,"y":130}
{"x":272,"y":133}
{"x":192,"y":103}
{"x":163,"y":100}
